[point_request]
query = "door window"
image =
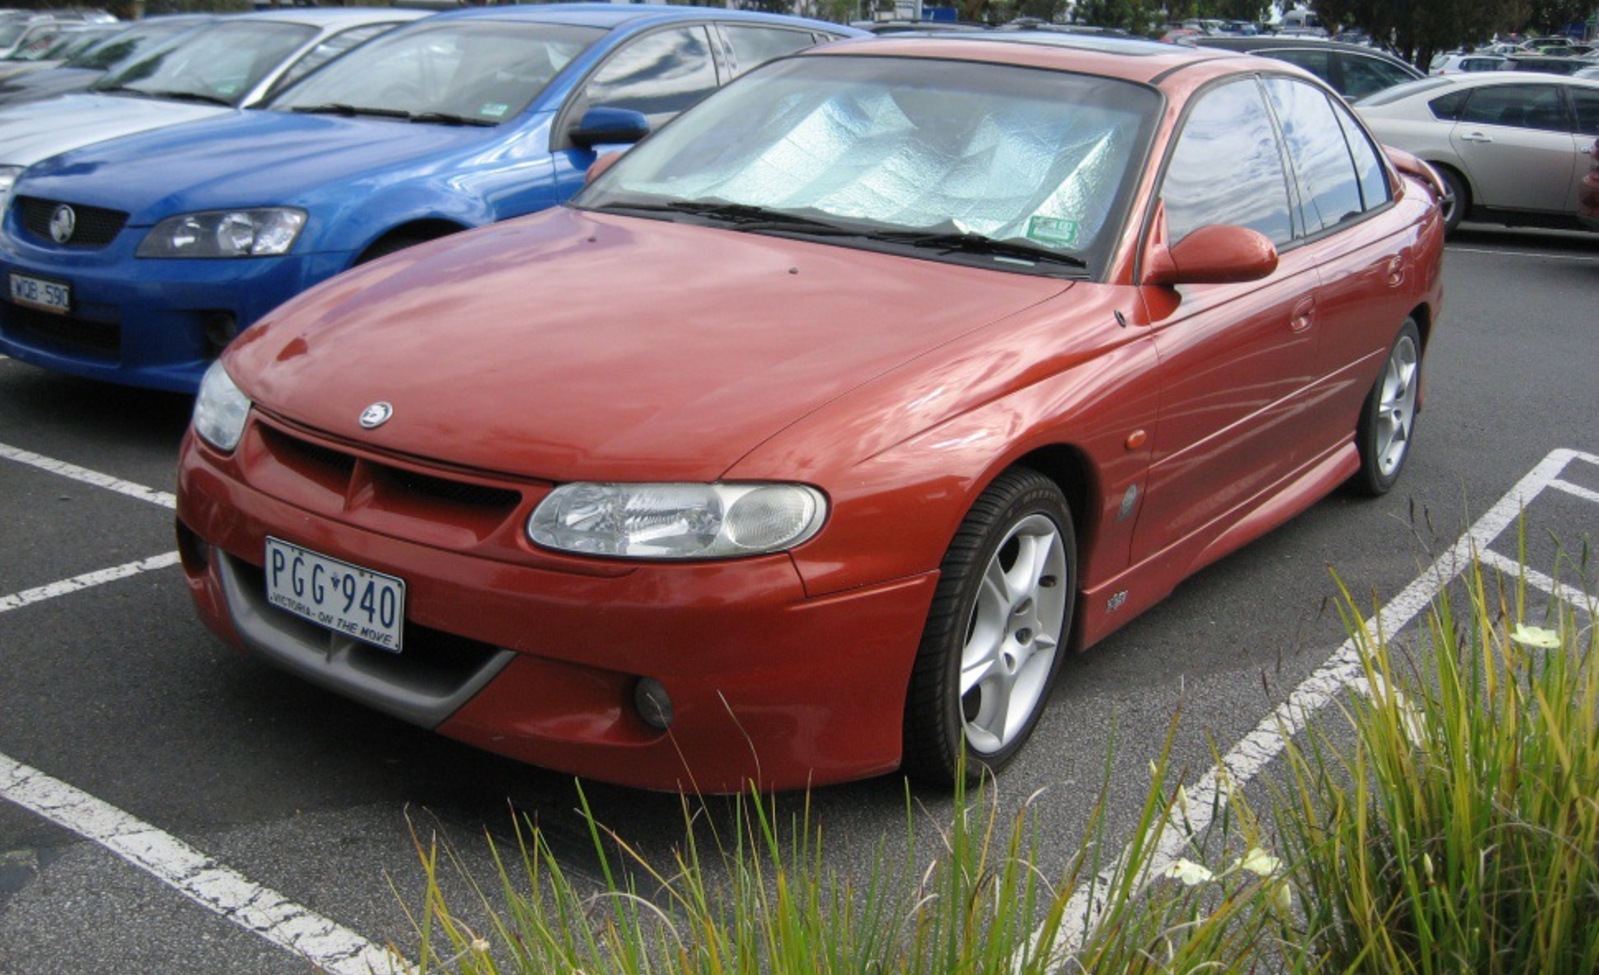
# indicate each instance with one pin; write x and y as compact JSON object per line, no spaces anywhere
{"x":1315,"y":141}
{"x":1517,"y":106}
{"x":1228,"y":132}
{"x":659,"y":74}
{"x":754,"y":46}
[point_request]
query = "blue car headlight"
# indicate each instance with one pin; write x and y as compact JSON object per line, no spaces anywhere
{"x":677,"y":521}
{"x":256,"y":232}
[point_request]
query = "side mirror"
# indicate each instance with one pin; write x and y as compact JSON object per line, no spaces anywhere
{"x":1218,"y":254}
{"x":601,"y":165}
{"x":609,"y":126}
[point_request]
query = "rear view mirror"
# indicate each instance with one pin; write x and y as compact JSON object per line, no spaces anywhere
{"x":609,"y":126}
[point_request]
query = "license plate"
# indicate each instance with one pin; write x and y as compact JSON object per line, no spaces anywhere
{"x":51,"y":296}
{"x":366,"y":605}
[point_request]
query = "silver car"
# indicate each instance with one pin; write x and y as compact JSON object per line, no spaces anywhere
{"x":1513,"y":147}
{"x":231,"y":63}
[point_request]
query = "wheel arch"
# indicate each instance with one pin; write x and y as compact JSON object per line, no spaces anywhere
{"x":416,"y":231}
{"x":1071,"y":470}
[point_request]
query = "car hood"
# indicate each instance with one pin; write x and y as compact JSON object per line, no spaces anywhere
{"x":248,"y":157}
{"x":577,"y":346}
{"x":37,"y":130}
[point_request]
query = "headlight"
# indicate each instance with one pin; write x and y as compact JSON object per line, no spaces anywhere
{"x":264,"y":232}
{"x":677,"y":521}
{"x":220,"y":409}
{"x":8,"y":179}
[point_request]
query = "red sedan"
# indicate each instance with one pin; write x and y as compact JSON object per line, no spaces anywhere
{"x":803,"y":444}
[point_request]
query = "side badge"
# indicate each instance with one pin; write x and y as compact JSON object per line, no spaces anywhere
{"x":376,"y":415}
{"x":1129,"y":501}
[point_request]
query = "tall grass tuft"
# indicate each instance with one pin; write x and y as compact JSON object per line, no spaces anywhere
{"x":1451,"y":824}
{"x":1460,"y":832}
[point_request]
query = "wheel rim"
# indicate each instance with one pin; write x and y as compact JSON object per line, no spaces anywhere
{"x":1013,"y":635}
{"x":1396,"y":407}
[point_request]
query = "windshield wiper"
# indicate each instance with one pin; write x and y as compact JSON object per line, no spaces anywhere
{"x":445,"y":118}
{"x":742,"y":216}
{"x":185,"y":96}
{"x":970,"y":243}
{"x":339,"y":108}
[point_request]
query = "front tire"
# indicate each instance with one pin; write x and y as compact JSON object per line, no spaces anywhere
{"x":996,"y":631}
{"x":1387,"y":424}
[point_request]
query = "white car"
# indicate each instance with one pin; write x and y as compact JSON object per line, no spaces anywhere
{"x":1512,"y":146}
{"x":213,"y":69}
{"x":1462,"y":63}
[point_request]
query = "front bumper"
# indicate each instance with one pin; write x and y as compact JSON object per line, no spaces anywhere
{"x":536,"y":656}
{"x":142,"y":322}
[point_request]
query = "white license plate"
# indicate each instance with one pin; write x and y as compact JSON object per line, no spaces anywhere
{"x":53,"y":296}
{"x":357,"y":602}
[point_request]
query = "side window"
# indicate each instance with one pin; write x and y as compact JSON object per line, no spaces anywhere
{"x":1330,"y":190}
{"x":1318,"y":63}
{"x":1586,"y":102}
{"x":326,"y":51}
{"x":1228,"y":131}
{"x":1364,"y":75}
{"x":1517,"y":106}
{"x":1374,"y":188}
{"x":754,"y":46}
{"x":659,"y":74}
{"x":1446,"y":108}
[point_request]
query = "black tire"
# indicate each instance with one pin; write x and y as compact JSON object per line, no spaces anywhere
{"x":1388,"y":419}
{"x":1019,"y":532}
{"x":1458,"y":203}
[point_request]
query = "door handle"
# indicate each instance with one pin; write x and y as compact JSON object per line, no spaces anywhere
{"x":1304,"y":315}
{"x":1476,"y":137}
{"x":1396,"y":271}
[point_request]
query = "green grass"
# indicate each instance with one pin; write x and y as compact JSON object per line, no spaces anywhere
{"x":1449,"y":824}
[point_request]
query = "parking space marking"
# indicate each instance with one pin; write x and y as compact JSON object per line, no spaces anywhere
{"x":327,"y":945}
{"x":88,"y":580}
{"x":1342,"y":671}
{"x":86,"y":476}
{"x":1540,"y":255}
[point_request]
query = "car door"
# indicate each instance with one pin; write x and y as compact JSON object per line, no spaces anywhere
{"x":1585,"y":111}
{"x":1235,"y":359}
{"x":1517,"y":147}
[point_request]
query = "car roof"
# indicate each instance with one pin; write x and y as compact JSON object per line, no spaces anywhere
{"x":1129,"y":58}
{"x":328,"y":16}
{"x":1433,"y":86}
{"x":1300,"y":42}
{"x":610,"y":16}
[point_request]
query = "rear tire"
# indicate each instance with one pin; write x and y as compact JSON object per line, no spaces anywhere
{"x":1387,"y":424}
{"x":1459,"y":201}
{"x":996,"y":632}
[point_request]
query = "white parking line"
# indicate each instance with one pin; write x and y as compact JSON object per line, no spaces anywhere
{"x":322,"y":942}
{"x":1342,"y":671}
{"x":1541,"y":255}
{"x":87,"y":476}
{"x":88,"y":580}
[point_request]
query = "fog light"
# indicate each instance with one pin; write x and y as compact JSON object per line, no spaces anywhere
{"x":220,"y":328}
{"x":653,"y":703}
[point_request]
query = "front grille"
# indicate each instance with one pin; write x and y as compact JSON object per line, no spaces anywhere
{"x":457,"y":492}
{"x":92,"y":226}
{"x":64,"y":332}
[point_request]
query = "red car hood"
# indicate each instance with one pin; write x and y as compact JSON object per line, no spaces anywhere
{"x":576,"y":346}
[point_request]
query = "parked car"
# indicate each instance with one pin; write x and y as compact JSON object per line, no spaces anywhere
{"x":1354,"y":71}
{"x":1588,"y":193}
{"x":1545,"y":64}
{"x":202,"y":71}
{"x":72,"y":40}
{"x":1508,"y":144}
{"x":1461,"y":63}
{"x":807,"y":439}
{"x":466,"y":118}
{"x":83,"y":69}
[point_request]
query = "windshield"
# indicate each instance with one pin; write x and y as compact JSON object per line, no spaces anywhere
{"x":220,"y":63}
{"x":124,"y":46}
{"x":480,"y":72}
{"x":908,"y":153}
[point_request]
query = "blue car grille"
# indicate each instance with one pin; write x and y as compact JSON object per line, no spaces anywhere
{"x":91,"y":226}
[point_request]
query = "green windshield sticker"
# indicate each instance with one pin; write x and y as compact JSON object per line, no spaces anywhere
{"x":494,"y":110}
{"x":1052,"y":231}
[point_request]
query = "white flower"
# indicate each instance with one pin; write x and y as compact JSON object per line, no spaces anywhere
{"x":1536,"y":636}
{"x":1260,"y":863}
{"x":1190,"y":873}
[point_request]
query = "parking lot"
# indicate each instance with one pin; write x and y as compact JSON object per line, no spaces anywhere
{"x":169,"y":805}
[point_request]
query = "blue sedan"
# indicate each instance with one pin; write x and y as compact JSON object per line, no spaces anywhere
{"x":137,"y":260}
